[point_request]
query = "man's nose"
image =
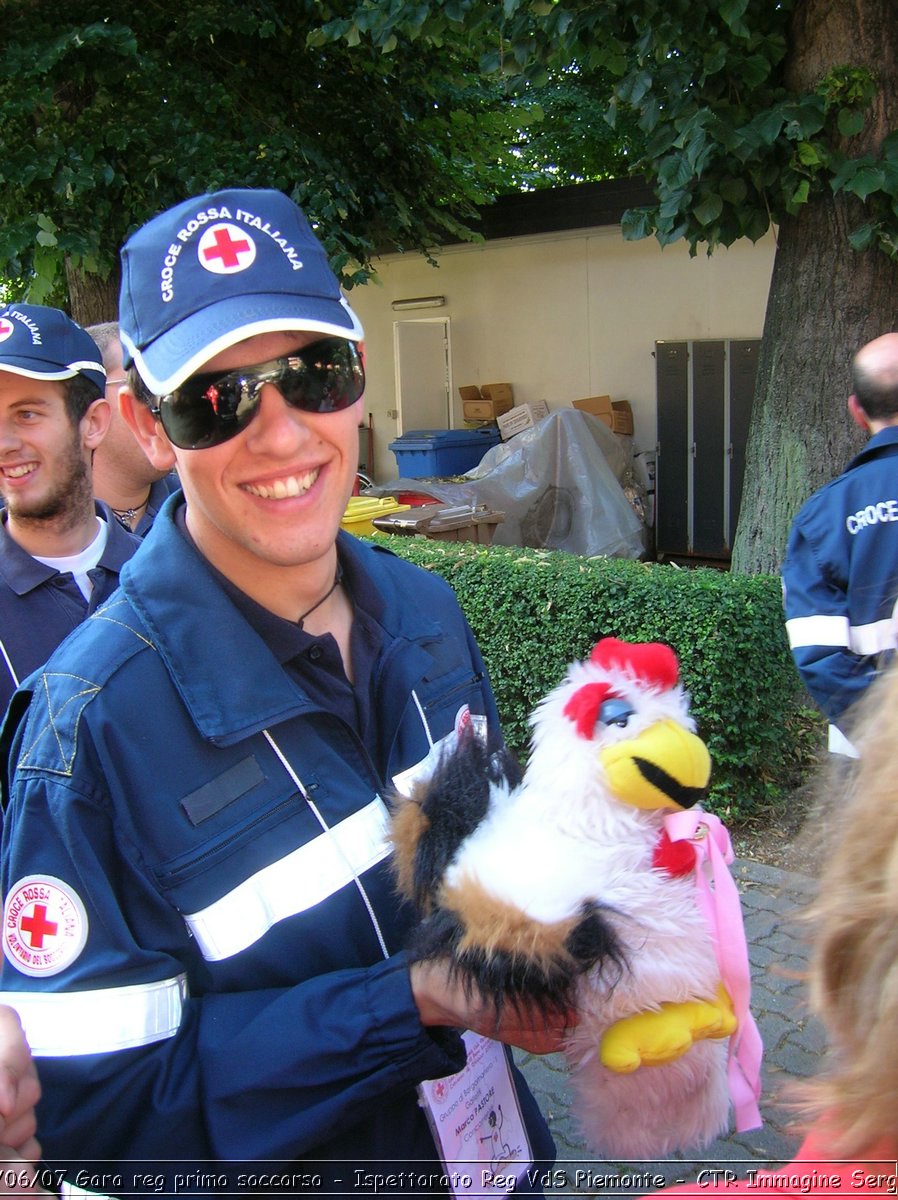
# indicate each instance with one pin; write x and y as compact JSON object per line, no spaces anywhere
{"x":276,"y":421}
{"x":10,"y":438}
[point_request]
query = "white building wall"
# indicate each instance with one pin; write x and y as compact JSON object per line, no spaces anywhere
{"x":561,"y":316}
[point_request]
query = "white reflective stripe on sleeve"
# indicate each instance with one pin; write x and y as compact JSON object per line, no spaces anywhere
{"x":873,"y":638}
{"x":60,"y":1024}
{"x":293,"y":884}
{"x":818,"y":631}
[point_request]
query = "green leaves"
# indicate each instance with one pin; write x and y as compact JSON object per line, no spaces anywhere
{"x":708,"y":209}
{"x":393,"y":119}
{"x":108,"y":120}
{"x":850,"y":121}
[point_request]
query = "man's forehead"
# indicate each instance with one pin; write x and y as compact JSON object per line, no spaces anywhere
{"x":14,"y":386}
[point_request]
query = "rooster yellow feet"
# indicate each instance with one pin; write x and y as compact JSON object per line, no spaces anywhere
{"x":652,"y":1038}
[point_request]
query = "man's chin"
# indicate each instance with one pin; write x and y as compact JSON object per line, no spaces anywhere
{"x":38,"y":511}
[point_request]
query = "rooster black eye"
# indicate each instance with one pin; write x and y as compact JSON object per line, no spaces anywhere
{"x":616,"y":712}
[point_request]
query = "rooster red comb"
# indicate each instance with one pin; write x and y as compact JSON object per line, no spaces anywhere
{"x":652,"y":663}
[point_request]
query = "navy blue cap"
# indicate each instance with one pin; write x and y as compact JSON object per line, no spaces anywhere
{"x":44,"y":343}
{"x":217,"y":269}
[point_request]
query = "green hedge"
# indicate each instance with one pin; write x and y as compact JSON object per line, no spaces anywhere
{"x":535,"y":611}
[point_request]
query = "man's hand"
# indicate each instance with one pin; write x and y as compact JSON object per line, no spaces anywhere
{"x":443,"y":1000}
{"x":19,"y":1089}
{"x":652,"y":1038}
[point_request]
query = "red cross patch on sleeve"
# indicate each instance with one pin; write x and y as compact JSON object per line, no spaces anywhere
{"x":44,"y":925}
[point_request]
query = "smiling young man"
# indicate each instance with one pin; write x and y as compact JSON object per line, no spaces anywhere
{"x":202,"y":935}
{"x":60,"y":553}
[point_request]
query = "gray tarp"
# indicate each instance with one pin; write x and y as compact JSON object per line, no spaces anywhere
{"x":560,"y":485}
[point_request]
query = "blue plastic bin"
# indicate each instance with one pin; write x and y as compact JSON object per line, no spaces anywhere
{"x":423,"y":453}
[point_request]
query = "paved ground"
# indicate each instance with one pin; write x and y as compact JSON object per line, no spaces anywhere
{"x":793,"y":1042}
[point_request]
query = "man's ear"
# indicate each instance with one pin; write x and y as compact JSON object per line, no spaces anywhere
{"x":94,"y":425}
{"x":857,"y":413}
{"x":149,"y":433}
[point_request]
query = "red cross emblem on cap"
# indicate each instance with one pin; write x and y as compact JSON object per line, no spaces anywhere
{"x":44,"y":925}
{"x":225,"y":249}
{"x":6,"y":328}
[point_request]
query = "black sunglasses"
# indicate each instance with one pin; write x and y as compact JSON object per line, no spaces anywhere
{"x":206,"y":410}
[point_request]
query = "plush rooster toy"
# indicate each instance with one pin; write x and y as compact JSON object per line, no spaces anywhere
{"x":594,"y":883}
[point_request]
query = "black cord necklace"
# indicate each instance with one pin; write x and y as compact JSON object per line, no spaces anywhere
{"x":330,"y":591}
{"x":125,"y":516}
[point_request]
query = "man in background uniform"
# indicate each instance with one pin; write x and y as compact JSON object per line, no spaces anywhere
{"x":60,"y":552}
{"x":124,"y":478}
{"x":840,"y":575}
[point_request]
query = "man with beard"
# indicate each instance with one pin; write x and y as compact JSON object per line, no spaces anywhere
{"x":60,"y":551}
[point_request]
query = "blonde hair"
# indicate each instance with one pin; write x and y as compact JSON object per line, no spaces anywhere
{"x":854,"y":965}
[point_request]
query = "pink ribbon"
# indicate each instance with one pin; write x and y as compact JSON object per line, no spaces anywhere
{"x":719,"y":901}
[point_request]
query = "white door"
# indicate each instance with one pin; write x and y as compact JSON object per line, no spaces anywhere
{"x":423,"y":396}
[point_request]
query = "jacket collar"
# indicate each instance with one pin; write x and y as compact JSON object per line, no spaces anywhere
{"x":191,"y":622}
{"x":24,"y":573}
{"x":120,"y":544}
{"x":886,"y":439}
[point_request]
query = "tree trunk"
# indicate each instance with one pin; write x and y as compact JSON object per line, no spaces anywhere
{"x":92,"y":300}
{"x":825,"y":300}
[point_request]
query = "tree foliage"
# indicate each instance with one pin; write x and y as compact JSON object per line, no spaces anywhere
{"x":728,"y":139}
{"x":111,"y":114}
{"x":389,"y":121}
{"x":749,"y":114}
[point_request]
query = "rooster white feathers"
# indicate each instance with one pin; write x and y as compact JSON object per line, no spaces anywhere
{"x":562,"y":888}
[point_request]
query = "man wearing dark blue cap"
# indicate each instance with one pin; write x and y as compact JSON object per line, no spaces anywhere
{"x":60,"y":553}
{"x":201,"y":932}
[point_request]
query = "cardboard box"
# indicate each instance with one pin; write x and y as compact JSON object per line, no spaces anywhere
{"x":484,"y":410}
{"x":521,"y":417}
{"x":599,"y":406}
{"x":470,"y":392}
{"x":499,"y":393}
{"x":616,"y":414}
{"x":621,"y":417}
{"x":487,"y":402}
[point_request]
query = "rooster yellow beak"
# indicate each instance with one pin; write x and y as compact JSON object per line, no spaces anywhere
{"x":664,"y":767}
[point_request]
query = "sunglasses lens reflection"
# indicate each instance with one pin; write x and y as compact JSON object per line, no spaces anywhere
{"x":207,"y":410}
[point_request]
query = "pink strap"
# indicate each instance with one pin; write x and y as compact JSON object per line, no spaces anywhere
{"x":718,"y":898}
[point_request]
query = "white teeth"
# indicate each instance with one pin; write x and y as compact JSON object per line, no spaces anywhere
{"x":18,"y":472}
{"x":291,"y":485}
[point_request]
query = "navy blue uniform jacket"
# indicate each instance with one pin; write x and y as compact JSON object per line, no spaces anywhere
{"x":208,"y":845}
{"x":39,"y":606}
{"x":840,"y":578}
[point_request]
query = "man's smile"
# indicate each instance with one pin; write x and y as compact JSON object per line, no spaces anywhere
{"x":281,"y":489}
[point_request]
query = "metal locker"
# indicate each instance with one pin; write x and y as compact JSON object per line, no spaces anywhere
{"x":704,"y":396}
{"x":672,"y":451}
